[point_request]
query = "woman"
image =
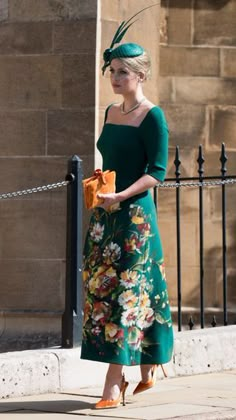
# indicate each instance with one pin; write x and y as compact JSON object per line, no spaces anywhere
{"x":127,"y":317}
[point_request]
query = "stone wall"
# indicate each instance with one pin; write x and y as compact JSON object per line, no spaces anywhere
{"x":198,"y":94}
{"x":47,"y":114}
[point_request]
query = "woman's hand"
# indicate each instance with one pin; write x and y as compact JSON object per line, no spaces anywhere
{"x":110,"y":201}
{"x":113,"y":199}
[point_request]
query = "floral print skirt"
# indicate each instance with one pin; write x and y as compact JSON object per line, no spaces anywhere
{"x":127,"y":316}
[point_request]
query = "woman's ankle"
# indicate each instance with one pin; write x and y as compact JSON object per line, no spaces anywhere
{"x":112,"y":388}
{"x":146,"y":373}
{"x":113,"y":381}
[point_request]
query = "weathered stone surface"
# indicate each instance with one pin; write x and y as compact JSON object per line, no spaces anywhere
{"x":186,"y":61}
{"x":40,"y":375}
{"x":32,"y":284}
{"x":75,"y":37}
{"x":211,"y":282}
{"x":179,"y":22}
{"x":189,"y":233}
{"x":213,"y":238}
{"x":26,"y":38}
{"x":212,"y":165}
{"x":29,"y":329}
{"x":189,"y":206}
{"x":164,"y":12}
{"x":71,"y":132}
{"x":222,"y":126}
{"x":107,"y":96}
{"x":229,"y":62}
{"x":86,"y":8}
{"x":22,"y":133}
{"x":231,"y":287}
{"x":3,"y":10}
{"x":29,"y":10}
{"x":203,"y":90}
{"x":213,"y":231}
{"x":186,"y":124}
{"x":216,"y":208}
{"x":166,"y":89}
{"x":78,"y":81}
{"x":27,"y":236}
{"x":168,"y":237}
{"x":214,"y":22}
{"x":110,"y":11}
{"x":205,"y":350}
{"x":30,"y":82}
{"x":27,"y":321}
{"x":190,"y":285}
{"x":23,"y":173}
{"x":214,"y":289}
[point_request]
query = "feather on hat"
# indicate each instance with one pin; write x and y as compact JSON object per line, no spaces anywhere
{"x":124,"y":50}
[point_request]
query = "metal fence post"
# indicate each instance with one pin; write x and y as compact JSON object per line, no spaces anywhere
{"x":223,"y":159}
{"x":177,"y":163}
{"x":72,"y":317}
{"x":201,"y":161}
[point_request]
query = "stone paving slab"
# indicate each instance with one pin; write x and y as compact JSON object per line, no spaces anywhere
{"x":210,"y":396}
{"x":163,"y":411}
{"x":35,"y":415}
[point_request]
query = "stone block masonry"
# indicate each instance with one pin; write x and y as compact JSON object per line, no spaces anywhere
{"x":47,"y":114}
{"x":198,"y":94}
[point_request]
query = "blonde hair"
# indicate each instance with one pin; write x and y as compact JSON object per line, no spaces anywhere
{"x":142,"y":64}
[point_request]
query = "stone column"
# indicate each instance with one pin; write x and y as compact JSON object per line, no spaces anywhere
{"x":47,"y":114}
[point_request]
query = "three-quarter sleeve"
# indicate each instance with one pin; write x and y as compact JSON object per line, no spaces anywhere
{"x":155,"y":140}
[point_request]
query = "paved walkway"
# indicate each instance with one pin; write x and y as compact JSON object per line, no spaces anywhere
{"x":209,"y":396}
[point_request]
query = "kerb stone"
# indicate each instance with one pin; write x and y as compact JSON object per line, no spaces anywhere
{"x":60,"y":370}
{"x":28,"y":373}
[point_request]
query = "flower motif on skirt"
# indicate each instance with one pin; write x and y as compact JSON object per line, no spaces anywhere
{"x":125,"y":294}
{"x":111,"y":253}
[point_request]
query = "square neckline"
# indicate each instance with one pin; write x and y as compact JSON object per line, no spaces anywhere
{"x":132,"y":126}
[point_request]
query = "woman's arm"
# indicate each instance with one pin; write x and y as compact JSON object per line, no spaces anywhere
{"x":139,"y":186}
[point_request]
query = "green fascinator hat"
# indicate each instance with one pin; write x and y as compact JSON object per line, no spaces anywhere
{"x":123,"y":50}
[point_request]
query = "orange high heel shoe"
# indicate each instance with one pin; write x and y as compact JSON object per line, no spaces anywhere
{"x":143,"y":386}
{"x":102,"y":404}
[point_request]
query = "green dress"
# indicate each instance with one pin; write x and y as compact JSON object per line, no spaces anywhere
{"x":127,"y":316}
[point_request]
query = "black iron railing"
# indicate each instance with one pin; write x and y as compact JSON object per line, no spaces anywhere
{"x":200,"y":182}
{"x":72,"y":318}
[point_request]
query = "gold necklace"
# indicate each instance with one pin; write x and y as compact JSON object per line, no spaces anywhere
{"x":123,"y":112}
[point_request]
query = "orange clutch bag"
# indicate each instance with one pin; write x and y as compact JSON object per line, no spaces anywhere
{"x":100,"y":182}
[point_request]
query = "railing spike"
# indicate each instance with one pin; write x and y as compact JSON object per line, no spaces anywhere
{"x":223,"y":159}
{"x":200,"y":161}
{"x":177,"y":162}
{"x":213,"y":322}
{"x":191,"y":323}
